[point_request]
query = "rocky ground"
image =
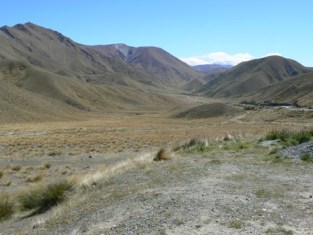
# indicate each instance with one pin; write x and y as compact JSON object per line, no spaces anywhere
{"x":298,"y":151}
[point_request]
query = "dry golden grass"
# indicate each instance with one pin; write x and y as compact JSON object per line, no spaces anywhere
{"x":6,"y":206}
{"x":104,"y":173}
{"x":111,"y":134}
{"x":119,"y":133}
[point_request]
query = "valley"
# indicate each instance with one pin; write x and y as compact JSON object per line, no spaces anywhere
{"x":81,"y":128}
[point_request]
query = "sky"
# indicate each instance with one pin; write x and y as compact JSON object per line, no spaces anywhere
{"x":196,"y":31}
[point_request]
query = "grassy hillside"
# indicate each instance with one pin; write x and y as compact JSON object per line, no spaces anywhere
{"x":253,"y":75}
{"x":30,"y":93}
{"x":298,"y":90}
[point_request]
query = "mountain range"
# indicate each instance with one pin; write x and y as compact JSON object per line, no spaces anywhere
{"x":45,"y":75}
{"x":212,"y":67}
{"x":43,"y":66}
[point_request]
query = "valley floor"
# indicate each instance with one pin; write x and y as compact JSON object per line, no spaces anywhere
{"x":229,"y":187}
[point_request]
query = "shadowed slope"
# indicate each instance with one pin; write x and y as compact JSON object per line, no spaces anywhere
{"x":208,"y":110}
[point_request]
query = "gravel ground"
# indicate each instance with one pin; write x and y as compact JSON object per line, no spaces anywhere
{"x":226,"y":192}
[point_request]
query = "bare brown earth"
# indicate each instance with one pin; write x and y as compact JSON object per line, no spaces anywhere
{"x":233,"y":187}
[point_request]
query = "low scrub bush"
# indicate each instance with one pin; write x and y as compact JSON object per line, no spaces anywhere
{"x":290,"y":138}
{"x":43,"y":197}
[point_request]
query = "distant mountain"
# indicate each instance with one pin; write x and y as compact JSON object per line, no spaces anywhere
{"x":252,"y":76}
{"x":212,"y":67}
{"x":152,"y":60}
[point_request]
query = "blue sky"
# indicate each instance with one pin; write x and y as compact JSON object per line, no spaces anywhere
{"x":197,"y":31}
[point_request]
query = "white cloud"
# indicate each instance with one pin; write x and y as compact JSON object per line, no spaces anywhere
{"x":219,"y":57}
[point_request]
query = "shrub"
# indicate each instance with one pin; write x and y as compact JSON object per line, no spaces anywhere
{"x":227,"y":137}
{"x":44,"y":197}
{"x":290,"y":138}
{"x":162,"y":154}
{"x":306,"y":158}
{"x":6,"y":207}
{"x":1,"y":174}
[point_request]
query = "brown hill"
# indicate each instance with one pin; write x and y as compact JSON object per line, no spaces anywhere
{"x":253,"y":75}
{"x":298,"y":90}
{"x":42,"y":71}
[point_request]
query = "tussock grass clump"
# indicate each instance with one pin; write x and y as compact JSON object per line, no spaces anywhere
{"x":216,"y":161}
{"x":43,"y":197}
{"x":235,"y":145}
{"x":34,"y":178}
{"x":290,"y":138}
{"x":277,"y":158}
{"x":47,"y":165}
{"x":54,"y":153}
{"x":7,"y":183}
{"x":235,"y":224}
{"x":16,"y":168}
{"x":193,"y":145}
{"x":1,"y":174}
{"x":306,"y":158}
{"x":162,"y":154}
{"x":6,"y":207}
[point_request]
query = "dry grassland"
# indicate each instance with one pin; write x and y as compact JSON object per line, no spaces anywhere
{"x":100,"y":156}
